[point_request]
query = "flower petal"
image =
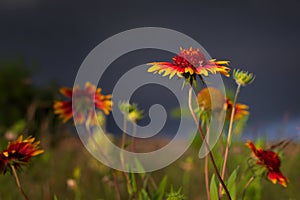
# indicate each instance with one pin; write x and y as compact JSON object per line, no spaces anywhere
{"x":67,"y":92}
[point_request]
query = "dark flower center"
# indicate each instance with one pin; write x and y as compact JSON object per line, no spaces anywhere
{"x":270,"y":159}
{"x":189,"y":58}
{"x":83,"y":102}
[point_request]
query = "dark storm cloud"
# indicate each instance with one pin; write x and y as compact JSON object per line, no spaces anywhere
{"x":259,"y":36}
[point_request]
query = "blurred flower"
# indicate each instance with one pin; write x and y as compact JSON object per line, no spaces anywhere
{"x":131,"y":111}
{"x":10,"y":135}
{"x":84,"y":102}
{"x":241,"y":110}
{"x":19,"y":153}
{"x":188,"y":165}
{"x":71,"y":183}
{"x":221,"y":103}
{"x":204,"y":99}
{"x":271,"y":161}
{"x":189,"y":63}
{"x":243,"y":78}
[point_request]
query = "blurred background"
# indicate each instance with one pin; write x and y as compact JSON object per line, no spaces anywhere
{"x":53,"y":38}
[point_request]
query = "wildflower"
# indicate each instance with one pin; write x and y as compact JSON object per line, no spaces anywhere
{"x":241,"y":110}
{"x":243,"y":78}
{"x":131,"y":111}
{"x":271,"y":161}
{"x":221,"y":103}
{"x":188,"y":165}
{"x":204,"y":99}
{"x":19,"y":153}
{"x":83,"y":105}
{"x":189,"y":63}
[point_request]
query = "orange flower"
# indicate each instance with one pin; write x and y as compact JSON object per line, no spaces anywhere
{"x":189,"y":63}
{"x":241,"y":110}
{"x":19,"y":153}
{"x":204,"y":101}
{"x":83,"y":104}
{"x":271,"y":161}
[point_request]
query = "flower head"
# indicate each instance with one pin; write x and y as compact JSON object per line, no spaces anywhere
{"x":189,"y":63}
{"x":243,"y":78}
{"x":84,"y":102}
{"x":271,"y":161}
{"x":241,"y":110}
{"x":221,"y":103}
{"x":204,"y":99}
{"x":19,"y":153}
{"x":131,"y":111}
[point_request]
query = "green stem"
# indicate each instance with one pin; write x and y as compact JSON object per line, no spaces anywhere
{"x":116,"y":183}
{"x":229,"y":136}
{"x":206,"y":168}
{"x":122,"y":156}
{"x":206,"y":144}
{"x":133,"y":136}
{"x":247,"y":185}
{"x":18,"y":181}
{"x":124,"y":133}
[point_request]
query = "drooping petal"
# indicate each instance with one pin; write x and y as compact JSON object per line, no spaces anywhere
{"x":251,"y":146}
{"x":271,"y":161}
{"x":275,"y":176}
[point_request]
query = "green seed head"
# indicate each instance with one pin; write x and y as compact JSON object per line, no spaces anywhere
{"x":243,"y":78}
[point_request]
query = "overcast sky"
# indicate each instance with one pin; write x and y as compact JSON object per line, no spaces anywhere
{"x":259,"y":36}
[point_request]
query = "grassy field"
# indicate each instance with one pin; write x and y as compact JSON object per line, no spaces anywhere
{"x":47,"y":175}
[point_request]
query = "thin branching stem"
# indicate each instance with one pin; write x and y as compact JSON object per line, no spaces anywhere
{"x":13,"y":169}
{"x":206,"y":168}
{"x":247,"y":185}
{"x":205,"y":142}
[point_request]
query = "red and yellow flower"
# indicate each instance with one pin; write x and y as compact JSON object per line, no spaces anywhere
{"x":189,"y":63}
{"x":84,"y":103}
{"x":19,"y":153}
{"x":241,"y":110}
{"x":271,"y":161}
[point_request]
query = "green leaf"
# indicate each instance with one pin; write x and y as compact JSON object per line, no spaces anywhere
{"x":213,"y":189}
{"x":159,"y":194}
{"x":144,"y":195}
{"x":140,"y":168}
{"x":231,"y":184}
{"x":131,"y":187}
{"x":55,"y":197}
{"x":133,"y":182}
